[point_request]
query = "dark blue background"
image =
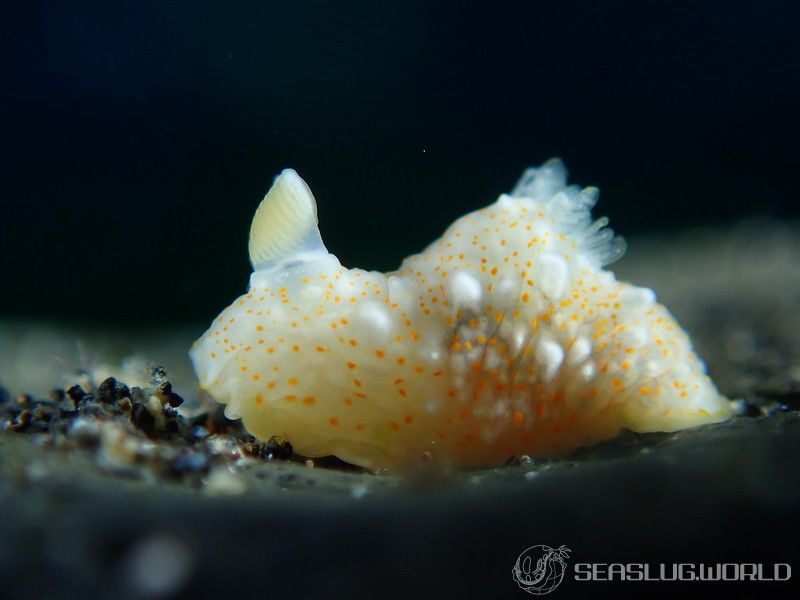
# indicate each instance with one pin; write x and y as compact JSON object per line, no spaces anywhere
{"x":137,"y":139}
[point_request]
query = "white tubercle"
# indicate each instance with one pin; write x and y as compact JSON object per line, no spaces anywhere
{"x":553,"y":272}
{"x":466,"y":290}
{"x":550,"y":355}
{"x":580,"y":351}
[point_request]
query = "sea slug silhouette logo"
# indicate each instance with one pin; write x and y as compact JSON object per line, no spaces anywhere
{"x":540,"y":569}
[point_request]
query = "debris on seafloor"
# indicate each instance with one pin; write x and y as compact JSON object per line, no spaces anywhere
{"x":138,"y":432}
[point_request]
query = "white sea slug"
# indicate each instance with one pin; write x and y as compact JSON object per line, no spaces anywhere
{"x":504,"y":337}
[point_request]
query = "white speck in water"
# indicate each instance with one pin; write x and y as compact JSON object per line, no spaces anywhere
{"x":359,"y":491}
{"x":159,"y":565}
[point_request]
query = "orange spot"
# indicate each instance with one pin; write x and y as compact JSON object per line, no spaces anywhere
{"x":379,"y":353}
{"x":526,"y":297}
{"x":351,"y":365}
{"x":334,"y":421}
{"x":290,"y":398}
{"x":320,"y":348}
{"x":360,"y":426}
{"x":296,"y":348}
{"x":259,"y":398}
{"x":518,"y":417}
{"x":256,"y":376}
{"x":395,"y":426}
{"x":259,"y":328}
{"x":409,"y":419}
{"x":401,"y":360}
{"x":353,"y":343}
{"x":309,"y":400}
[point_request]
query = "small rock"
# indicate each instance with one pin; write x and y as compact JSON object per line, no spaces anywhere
{"x":76,"y":393}
{"x":67,"y":414}
{"x":21,"y":421}
{"x":222,"y":482}
{"x":142,"y":418}
{"x":198,"y":433}
{"x":111,"y":390}
{"x":158,"y":375}
{"x":189,"y":462}
{"x":277,"y":449}
{"x":84,"y":431}
{"x":170,"y":397}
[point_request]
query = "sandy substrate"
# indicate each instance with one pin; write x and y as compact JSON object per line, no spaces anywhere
{"x":187,"y":504}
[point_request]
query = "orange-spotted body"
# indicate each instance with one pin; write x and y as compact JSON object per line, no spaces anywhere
{"x":504,"y":337}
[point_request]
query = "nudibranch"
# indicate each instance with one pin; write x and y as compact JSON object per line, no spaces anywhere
{"x":504,"y":337}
